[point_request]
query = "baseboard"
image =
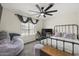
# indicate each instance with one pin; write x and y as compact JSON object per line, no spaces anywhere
{"x":30,"y":42}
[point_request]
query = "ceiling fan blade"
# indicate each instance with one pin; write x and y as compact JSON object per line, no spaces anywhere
{"x":34,"y":11}
{"x":38,"y":16}
{"x":51,"y":11}
{"x":49,"y":7}
{"x":33,"y":14}
{"x":49,"y":14}
{"x":38,"y":7}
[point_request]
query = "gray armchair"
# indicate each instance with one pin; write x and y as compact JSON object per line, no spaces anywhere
{"x":10,"y":47}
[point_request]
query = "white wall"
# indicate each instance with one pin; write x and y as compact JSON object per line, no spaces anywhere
{"x":68,"y":13}
{"x":10,"y":22}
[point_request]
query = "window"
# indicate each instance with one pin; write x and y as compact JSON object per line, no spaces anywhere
{"x":28,"y":28}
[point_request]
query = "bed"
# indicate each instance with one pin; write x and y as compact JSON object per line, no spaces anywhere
{"x":65,"y":38}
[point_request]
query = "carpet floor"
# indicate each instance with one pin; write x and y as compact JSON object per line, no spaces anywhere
{"x":28,"y":49}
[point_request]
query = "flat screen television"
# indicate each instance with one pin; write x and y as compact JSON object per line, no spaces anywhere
{"x":45,"y":31}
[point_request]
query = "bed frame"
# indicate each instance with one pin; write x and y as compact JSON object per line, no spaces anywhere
{"x":67,"y":28}
{"x":71,"y":28}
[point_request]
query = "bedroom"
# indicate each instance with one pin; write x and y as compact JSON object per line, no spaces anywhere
{"x":67,"y":13}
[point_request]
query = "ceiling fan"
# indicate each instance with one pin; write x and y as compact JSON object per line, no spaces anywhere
{"x":44,"y":11}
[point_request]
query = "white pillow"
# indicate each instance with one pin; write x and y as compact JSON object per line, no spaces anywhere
{"x":70,"y":36}
{"x":57,"y":34}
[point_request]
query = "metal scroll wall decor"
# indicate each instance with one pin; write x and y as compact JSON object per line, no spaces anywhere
{"x":27,"y":20}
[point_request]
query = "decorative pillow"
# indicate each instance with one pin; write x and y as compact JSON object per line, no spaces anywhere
{"x":4,"y":37}
{"x":13,"y":34}
{"x":57,"y":34}
{"x":70,"y":36}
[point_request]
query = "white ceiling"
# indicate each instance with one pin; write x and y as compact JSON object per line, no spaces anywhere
{"x":23,"y":8}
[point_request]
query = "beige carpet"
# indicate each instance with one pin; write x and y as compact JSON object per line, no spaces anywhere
{"x":28,"y":49}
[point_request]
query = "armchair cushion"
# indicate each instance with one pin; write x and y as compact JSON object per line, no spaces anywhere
{"x":13,"y":34}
